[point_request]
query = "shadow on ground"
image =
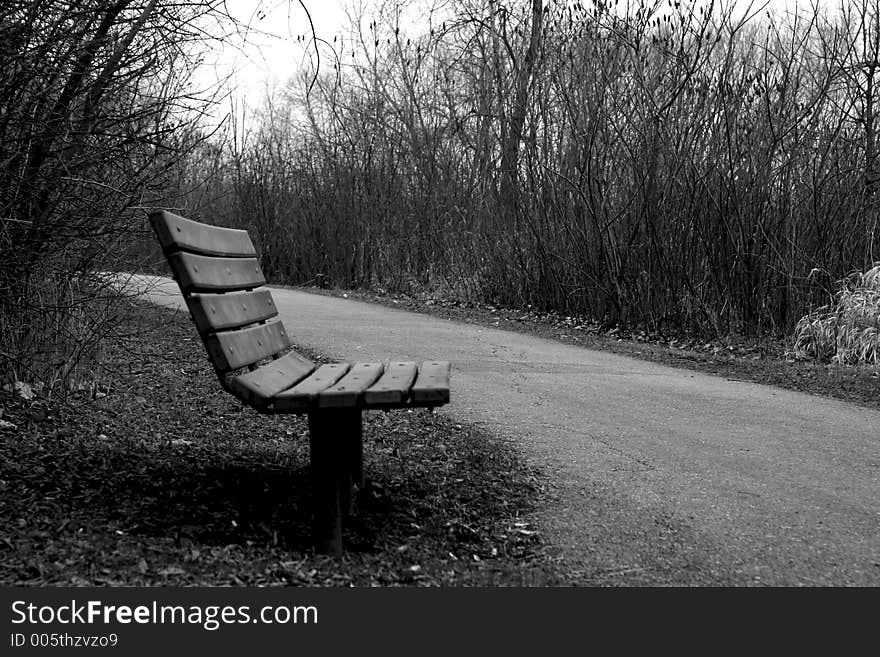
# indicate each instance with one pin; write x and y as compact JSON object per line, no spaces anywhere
{"x":154,"y":476}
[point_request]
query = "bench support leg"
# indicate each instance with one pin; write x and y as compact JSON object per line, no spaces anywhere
{"x":354,"y":439}
{"x":325,"y":453}
{"x":335,"y":438}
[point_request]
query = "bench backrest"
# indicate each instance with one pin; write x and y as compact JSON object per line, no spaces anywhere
{"x":220,"y":278}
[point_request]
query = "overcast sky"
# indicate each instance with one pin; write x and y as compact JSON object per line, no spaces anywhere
{"x":272,"y":52}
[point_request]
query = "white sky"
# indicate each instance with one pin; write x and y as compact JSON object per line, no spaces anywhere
{"x":271,"y":51}
{"x":274,"y":49}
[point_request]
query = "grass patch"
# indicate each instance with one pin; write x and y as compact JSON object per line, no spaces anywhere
{"x":158,"y":477}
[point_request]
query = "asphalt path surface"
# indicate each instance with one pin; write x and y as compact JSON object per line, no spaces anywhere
{"x":658,"y":475}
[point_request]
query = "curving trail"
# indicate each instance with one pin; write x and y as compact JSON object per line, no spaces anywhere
{"x":660,"y":475}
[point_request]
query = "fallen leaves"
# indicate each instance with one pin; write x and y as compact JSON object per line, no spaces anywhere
{"x":178,"y":484}
{"x":22,"y":389}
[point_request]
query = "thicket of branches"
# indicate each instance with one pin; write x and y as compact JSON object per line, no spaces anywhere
{"x":667,"y":164}
{"x":95,"y":114}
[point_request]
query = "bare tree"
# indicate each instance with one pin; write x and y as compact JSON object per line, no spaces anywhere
{"x":94,"y":116}
{"x":658,"y":164}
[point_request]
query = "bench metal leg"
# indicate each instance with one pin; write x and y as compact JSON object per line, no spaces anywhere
{"x":335,"y":438}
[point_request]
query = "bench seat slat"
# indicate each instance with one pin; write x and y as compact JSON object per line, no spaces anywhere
{"x":302,"y":396}
{"x":197,"y":272}
{"x":233,"y":349}
{"x":392,"y":388}
{"x":432,"y":384}
{"x":176,"y":232}
{"x":259,"y":386}
{"x":215,"y":312}
{"x":348,"y":391}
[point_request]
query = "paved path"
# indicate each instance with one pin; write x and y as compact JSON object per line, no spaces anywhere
{"x":661,"y":475}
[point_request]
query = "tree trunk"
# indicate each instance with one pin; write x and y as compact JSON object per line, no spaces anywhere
{"x":516,"y":122}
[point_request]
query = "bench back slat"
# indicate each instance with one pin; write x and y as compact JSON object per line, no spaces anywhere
{"x":176,"y":233}
{"x":220,"y":278}
{"x":197,"y":272}
{"x":217,"y":312}
{"x":231,"y":350}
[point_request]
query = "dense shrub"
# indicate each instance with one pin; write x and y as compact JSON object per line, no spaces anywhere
{"x":94,"y":114}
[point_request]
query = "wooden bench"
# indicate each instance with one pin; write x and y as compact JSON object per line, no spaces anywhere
{"x":220,"y":278}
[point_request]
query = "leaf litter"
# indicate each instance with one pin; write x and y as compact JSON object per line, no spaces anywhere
{"x":164,"y":479}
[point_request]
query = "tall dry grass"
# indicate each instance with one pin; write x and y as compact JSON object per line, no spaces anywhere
{"x":846,"y":331}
